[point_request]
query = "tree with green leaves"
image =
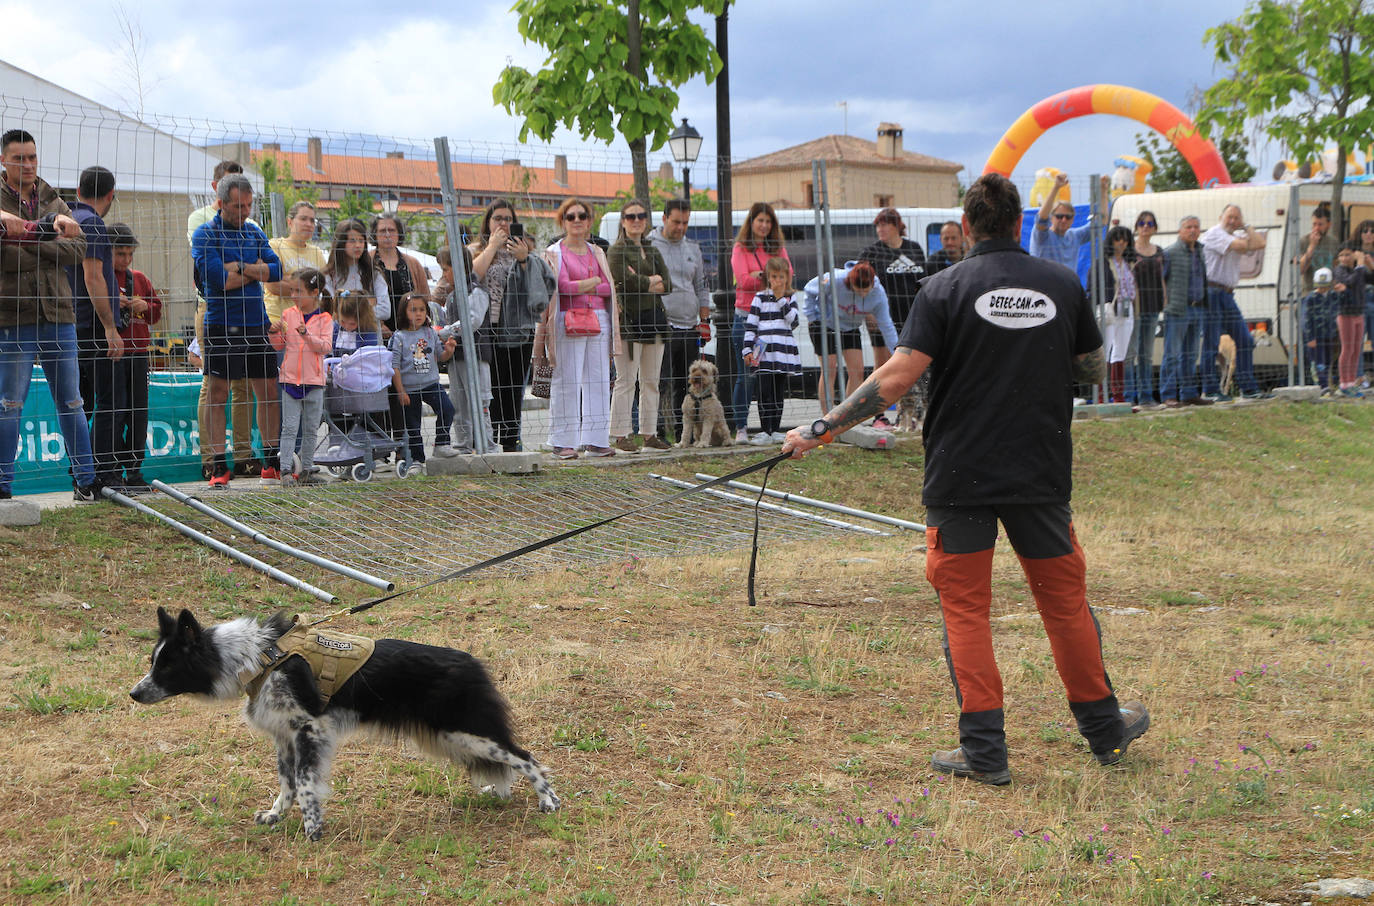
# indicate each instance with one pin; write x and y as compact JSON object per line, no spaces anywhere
{"x":661,"y":190}
{"x":359,"y":204}
{"x":1172,"y":171}
{"x":1302,"y":71}
{"x":277,"y":177}
{"x":612,"y":66}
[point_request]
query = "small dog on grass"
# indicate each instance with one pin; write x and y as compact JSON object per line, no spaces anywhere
{"x":441,"y":699}
{"x":703,"y":417}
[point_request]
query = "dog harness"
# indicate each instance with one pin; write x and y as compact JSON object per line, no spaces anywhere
{"x":333,"y":657}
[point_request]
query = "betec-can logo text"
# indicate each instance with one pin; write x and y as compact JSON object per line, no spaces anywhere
{"x":1015,"y":309}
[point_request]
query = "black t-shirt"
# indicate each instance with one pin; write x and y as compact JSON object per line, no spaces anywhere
{"x":900,"y":271}
{"x":1002,"y":330}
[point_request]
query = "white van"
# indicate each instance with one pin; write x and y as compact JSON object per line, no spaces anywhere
{"x":1269,"y":279}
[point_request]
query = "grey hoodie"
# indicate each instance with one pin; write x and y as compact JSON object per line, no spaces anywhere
{"x":687,"y":271}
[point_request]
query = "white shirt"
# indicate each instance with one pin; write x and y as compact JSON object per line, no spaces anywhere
{"x":1222,"y":261}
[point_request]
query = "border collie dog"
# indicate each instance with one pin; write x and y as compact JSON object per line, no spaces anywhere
{"x":441,"y":699}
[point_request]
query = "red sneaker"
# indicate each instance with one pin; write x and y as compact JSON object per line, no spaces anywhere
{"x":221,"y":480}
{"x":270,"y":476}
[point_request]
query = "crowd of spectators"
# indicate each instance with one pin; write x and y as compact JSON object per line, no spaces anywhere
{"x":617,"y":325}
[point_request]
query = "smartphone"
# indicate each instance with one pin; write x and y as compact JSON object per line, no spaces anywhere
{"x":517,"y":231}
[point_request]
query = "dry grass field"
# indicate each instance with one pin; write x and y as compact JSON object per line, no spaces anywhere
{"x":707,"y":752}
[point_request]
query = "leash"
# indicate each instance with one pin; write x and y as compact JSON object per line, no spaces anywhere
{"x":766,"y":464}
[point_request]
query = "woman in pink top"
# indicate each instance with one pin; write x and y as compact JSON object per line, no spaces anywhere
{"x":759,"y":239}
{"x":580,"y":392}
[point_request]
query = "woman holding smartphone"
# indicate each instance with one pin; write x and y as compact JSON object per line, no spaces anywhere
{"x":519,"y":286}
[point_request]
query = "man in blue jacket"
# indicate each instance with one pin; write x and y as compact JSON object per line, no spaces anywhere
{"x":232,"y":260}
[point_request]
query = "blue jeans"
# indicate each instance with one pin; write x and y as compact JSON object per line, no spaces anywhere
{"x":54,"y":347}
{"x":1223,"y":316}
{"x":743,"y":393}
{"x":436,"y":399}
{"x":1140,"y":360}
{"x":1182,"y":334}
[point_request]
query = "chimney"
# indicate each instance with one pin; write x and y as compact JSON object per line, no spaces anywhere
{"x":395,"y":155}
{"x":665,"y":171}
{"x":511,"y":162}
{"x":314,"y":154}
{"x":274,"y":147}
{"x":560,"y":170}
{"x":889,"y":140}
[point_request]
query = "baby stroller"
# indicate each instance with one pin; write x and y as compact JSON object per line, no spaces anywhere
{"x":355,"y":391}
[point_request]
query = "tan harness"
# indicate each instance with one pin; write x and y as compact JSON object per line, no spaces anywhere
{"x":333,"y":657}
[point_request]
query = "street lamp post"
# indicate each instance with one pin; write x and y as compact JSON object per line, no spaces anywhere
{"x":391,"y":203}
{"x":685,"y":143}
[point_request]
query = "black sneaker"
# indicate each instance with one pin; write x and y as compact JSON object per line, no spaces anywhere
{"x":1137,"y":721}
{"x":88,"y":493}
{"x":955,"y":762}
{"x":5,"y":494}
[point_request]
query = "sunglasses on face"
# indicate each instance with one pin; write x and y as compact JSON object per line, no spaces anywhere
{"x":1063,"y":217}
{"x":575,"y":215}
{"x":1145,"y":223}
{"x":640,"y":216}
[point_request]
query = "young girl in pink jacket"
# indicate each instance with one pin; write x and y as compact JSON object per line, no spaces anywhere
{"x":306,"y":337}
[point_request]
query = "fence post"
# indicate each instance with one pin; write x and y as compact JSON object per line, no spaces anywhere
{"x":277,"y":207}
{"x":1097,"y":277}
{"x":460,"y":292}
{"x":1292,"y":250}
{"x":828,"y":266}
{"x":817,"y":192}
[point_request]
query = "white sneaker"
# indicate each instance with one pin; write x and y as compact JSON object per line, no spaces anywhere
{"x":761,"y":440}
{"x":779,"y":437}
{"x":444,"y":451}
{"x":741,"y":436}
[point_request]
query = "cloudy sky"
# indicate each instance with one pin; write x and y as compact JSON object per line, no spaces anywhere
{"x":955,"y":75}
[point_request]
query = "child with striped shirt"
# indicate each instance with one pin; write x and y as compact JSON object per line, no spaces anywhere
{"x":770,"y":347}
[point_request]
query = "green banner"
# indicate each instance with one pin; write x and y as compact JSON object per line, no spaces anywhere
{"x":173,"y":452}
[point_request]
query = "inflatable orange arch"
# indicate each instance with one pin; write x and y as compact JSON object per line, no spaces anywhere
{"x":1115,"y":100}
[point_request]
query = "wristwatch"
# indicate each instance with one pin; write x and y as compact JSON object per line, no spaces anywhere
{"x":821,"y":430}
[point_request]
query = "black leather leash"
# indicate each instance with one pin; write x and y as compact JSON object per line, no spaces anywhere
{"x":766,"y":464}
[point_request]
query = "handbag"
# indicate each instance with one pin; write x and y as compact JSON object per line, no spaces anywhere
{"x":542,"y":384}
{"x":581,"y":322}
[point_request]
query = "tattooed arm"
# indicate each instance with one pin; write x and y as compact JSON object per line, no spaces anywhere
{"x":882,"y":388}
{"x":1090,"y":367}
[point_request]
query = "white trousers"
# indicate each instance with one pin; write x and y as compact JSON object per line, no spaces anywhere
{"x":643,"y":369}
{"x":580,"y":392}
{"x":1116,"y":336}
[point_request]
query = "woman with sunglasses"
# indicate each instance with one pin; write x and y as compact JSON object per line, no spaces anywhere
{"x":577,"y":337}
{"x":1364,"y":234}
{"x":519,"y":286}
{"x":1118,"y":317}
{"x":641,"y":279}
{"x":759,"y":239}
{"x":1148,"y":270}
